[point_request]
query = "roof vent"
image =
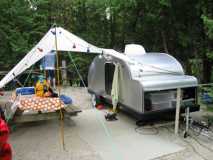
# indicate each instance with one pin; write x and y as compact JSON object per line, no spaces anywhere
{"x":134,"y":50}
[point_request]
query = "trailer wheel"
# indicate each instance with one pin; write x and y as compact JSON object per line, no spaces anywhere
{"x":148,"y":105}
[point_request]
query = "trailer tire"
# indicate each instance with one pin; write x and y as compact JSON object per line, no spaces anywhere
{"x":148,"y":105}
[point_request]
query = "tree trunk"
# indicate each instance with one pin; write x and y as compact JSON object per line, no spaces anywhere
{"x":164,"y":42}
{"x":112,"y":30}
{"x":50,"y":21}
{"x":124,"y":31}
{"x":207,"y":68}
{"x":188,"y":67}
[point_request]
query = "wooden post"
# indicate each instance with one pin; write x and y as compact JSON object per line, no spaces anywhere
{"x":178,"y":103}
{"x":57,"y":63}
{"x":59,"y":90}
{"x":64,"y":72}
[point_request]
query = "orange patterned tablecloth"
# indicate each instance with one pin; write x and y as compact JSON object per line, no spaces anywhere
{"x":41,"y":104}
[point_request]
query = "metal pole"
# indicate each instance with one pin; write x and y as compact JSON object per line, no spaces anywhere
{"x":187,"y":119}
{"x":178,"y":100}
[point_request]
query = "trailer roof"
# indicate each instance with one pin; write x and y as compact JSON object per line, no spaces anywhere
{"x":156,"y":71}
{"x":167,"y":81}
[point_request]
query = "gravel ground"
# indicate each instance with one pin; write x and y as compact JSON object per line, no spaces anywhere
{"x":197,"y":147}
{"x":41,"y":140}
{"x":45,"y":144}
{"x":79,"y":95}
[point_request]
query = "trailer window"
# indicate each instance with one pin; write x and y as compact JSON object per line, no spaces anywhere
{"x":109,"y":73}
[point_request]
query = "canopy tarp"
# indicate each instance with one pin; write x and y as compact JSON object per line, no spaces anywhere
{"x":66,"y":41}
{"x":115,"y":87}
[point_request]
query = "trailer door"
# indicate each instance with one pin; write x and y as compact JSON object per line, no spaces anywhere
{"x":109,"y":72}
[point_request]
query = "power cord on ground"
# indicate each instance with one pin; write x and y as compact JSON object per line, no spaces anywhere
{"x":147,"y":130}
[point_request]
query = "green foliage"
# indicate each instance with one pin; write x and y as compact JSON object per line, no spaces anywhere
{"x":181,"y":28}
{"x":196,"y":68}
{"x":82,"y":65}
{"x":210,"y":54}
{"x":166,"y":3}
{"x":208,"y":25}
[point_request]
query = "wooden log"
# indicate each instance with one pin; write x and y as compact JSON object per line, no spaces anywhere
{"x":72,"y":110}
{"x":35,"y":117}
{"x":67,"y":112}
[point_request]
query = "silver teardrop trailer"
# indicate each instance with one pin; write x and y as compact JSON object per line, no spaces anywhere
{"x":148,"y":82}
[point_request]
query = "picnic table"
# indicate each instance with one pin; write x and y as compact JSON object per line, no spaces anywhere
{"x":32,"y":108}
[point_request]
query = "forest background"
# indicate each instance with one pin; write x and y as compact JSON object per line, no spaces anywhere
{"x":182,"y":28}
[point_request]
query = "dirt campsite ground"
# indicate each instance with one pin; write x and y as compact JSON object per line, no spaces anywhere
{"x":42,"y":140}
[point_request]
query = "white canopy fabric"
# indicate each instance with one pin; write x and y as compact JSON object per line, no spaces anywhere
{"x":66,"y":41}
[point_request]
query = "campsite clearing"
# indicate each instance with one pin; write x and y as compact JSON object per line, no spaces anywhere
{"x":86,"y":138}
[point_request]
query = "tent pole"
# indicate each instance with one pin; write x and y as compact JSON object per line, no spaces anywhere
{"x":77,"y":70}
{"x":57,"y":63}
{"x":59,"y":90}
